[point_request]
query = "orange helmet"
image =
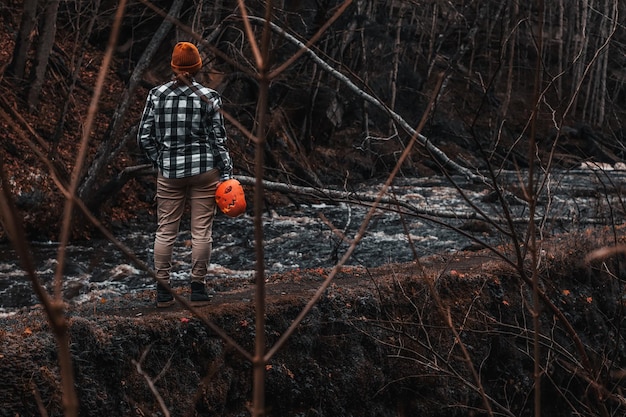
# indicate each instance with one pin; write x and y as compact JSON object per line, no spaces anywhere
{"x":230,"y":198}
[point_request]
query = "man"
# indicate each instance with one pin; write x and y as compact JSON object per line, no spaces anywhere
{"x":182,"y":132}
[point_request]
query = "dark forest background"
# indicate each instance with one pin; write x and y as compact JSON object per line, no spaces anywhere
{"x":494,"y":59}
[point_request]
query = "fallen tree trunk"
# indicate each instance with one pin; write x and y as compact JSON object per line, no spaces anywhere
{"x":345,"y":196}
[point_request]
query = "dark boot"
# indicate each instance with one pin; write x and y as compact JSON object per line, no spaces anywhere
{"x":164,"y":297}
{"x":199,"y":295}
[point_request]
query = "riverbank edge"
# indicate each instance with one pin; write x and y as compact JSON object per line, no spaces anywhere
{"x":402,"y":339}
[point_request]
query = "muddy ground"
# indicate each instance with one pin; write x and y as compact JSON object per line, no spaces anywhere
{"x":445,"y":336}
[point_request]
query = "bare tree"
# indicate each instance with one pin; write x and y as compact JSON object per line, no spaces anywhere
{"x":44,"y":47}
{"x":24,"y":39}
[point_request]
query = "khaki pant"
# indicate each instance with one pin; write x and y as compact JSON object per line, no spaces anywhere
{"x":172,"y":195}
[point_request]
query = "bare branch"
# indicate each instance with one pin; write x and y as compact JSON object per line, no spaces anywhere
{"x":150,"y":383}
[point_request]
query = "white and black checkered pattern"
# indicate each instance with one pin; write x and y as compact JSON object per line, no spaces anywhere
{"x":182,"y":133}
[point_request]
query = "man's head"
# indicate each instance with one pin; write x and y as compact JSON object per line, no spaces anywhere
{"x":186,"y":58}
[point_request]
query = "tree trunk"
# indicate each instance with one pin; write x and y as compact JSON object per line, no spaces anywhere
{"x":46,"y":41}
{"x":561,"y":39}
{"x":580,"y":49}
{"x":513,"y":28}
{"x":603,"y":62}
{"x":365,"y":107}
{"x":397,"y":50}
{"x":24,"y":40}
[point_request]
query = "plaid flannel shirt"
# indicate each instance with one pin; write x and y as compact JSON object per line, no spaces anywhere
{"x":182,"y":134}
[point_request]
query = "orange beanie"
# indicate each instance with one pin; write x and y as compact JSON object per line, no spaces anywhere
{"x":186,"y":58}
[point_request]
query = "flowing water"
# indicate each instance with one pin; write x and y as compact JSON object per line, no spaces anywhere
{"x":308,"y":235}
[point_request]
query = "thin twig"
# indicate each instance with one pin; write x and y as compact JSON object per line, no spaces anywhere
{"x":150,"y":383}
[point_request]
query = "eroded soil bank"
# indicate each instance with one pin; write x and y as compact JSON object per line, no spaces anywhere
{"x":446,"y":336}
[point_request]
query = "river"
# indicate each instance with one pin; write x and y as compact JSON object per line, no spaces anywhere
{"x":300,"y":236}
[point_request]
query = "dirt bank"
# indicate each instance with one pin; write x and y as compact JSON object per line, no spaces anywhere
{"x":378,"y":343}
